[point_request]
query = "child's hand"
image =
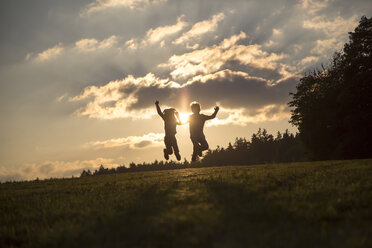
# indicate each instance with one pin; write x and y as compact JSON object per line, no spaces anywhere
{"x":216,"y":108}
{"x":156,"y":102}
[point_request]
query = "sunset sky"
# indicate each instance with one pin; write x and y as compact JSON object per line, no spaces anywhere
{"x":78,"y":79}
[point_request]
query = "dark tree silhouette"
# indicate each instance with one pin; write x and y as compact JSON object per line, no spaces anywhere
{"x":85,"y":173}
{"x":332,"y":107}
{"x":263,"y":148}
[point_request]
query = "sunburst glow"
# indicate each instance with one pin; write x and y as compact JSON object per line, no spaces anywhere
{"x":184,"y":117}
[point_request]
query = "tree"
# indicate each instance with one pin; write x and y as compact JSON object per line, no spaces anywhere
{"x":85,"y":173}
{"x":332,"y":107}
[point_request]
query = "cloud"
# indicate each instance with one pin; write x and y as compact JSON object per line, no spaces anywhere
{"x":242,"y":117}
{"x":48,"y":54}
{"x":313,"y":6}
{"x":200,"y":28}
{"x":61,"y":98}
{"x":133,"y":142}
{"x":158,"y":34}
{"x":132,"y":44}
{"x":90,"y":45}
{"x":83,"y":45}
{"x":334,"y":31}
{"x":114,"y":100}
{"x":309,"y":60}
{"x":212,"y":59}
{"x":322,"y":46}
{"x":335,"y":27}
{"x":53,"y":169}
{"x":100,"y":5}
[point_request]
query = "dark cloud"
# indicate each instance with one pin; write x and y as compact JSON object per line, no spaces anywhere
{"x":233,"y":90}
{"x":142,"y":144}
{"x":46,"y":168}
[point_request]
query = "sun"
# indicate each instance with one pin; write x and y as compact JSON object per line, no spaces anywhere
{"x":184,"y":117}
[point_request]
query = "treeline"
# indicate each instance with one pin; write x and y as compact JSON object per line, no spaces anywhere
{"x":262,"y":148}
{"x":133,"y":167}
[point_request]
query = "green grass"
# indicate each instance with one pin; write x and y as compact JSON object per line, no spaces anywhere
{"x":319,"y":204}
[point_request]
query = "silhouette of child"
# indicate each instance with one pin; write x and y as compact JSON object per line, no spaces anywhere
{"x":196,"y":123}
{"x":170,"y":124}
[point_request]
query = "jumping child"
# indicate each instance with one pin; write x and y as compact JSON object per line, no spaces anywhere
{"x":170,"y":124}
{"x":197,"y":121}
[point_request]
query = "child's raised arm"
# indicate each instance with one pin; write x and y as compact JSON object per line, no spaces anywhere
{"x":158,"y":109}
{"x":212,"y":116}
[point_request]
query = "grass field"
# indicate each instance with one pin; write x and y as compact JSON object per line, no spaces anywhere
{"x":318,"y":204}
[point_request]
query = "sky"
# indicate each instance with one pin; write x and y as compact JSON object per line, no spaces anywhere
{"x":79,"y":78}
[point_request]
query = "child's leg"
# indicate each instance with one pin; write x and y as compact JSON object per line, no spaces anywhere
{"x":168,"y":144}
{"x":175,"y":148}
{"x":174,"y":145}
{"x":196,"y":145}
{"x":196,"y":148}
{"x":203,"y":143}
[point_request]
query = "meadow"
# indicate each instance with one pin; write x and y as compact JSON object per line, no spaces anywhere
{"x":309,"y":204}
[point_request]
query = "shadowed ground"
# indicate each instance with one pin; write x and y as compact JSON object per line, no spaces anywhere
{"x":321,"y":204}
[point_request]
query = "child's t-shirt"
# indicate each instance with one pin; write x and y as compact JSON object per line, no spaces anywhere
{"x":196,"y":124}
{"x":170,"y":126}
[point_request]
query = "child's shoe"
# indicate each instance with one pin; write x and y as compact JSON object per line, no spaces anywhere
{"x":178,"y":156}
{"x":200,"y":153}
{"x":166,"y":155}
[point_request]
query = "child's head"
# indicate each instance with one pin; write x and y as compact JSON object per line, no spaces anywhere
{"x":169,"y":113}
{"x":195,"y":107}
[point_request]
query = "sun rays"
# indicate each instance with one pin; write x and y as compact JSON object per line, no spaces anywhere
{"x":184,"y":117}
